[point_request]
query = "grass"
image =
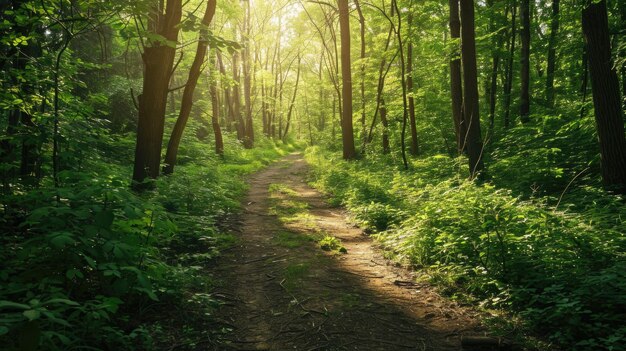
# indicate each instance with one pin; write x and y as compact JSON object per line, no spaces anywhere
{"x":291,"y":240}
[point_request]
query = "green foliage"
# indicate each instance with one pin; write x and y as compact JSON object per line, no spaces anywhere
{"x":331,"y":243}
{"x":562,"y":270}
{"x":91,"y":255}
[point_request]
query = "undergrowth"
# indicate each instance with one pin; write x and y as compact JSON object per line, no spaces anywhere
{"x":562,"y":270}
{"x":92,"y":265}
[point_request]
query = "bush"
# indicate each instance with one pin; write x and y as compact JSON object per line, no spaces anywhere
{"x":562,"y":270}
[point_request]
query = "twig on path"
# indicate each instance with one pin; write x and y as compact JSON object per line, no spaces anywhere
{"x":358,"y":274}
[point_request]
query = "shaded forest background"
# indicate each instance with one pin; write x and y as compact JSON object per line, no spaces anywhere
{"x":480,"y":142}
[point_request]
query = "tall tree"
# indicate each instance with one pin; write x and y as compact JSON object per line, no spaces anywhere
{"x":158,"y":59}
{"x":554,"y":30}
{"x":456,"y":87}
{"x":347,"y":132}
{"x":508,"y":82}
{"x":525,"y":61}
{"x":215,"y":105}
{"x":248,"y":141}
{"x":190,"y":87}
{"x":409,"y":84}
{"x":470,"y":88}
{"x":293,"y":99}
{"x":606,"y":96}
{"x":363,"y":53}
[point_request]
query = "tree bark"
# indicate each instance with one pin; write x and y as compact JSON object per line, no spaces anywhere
{"x":470,"y":85}
{"x":293,"y":101}
{"x":508,"y":85}
{"x":158,"y":60}
{"x":248,"y":141}
{"x":363,"y":54}
{"x":347,"y":132}
{"x":215,"y":106}
{"x":552,"y":54}
{"x":456,"y":88}
{"x":190,"y":87}
{"x":409,"y":81}
{"x":240,"y":126}
{"x":525,"y":62}
{"x":385,"y":123}
{"x":606,"y":96}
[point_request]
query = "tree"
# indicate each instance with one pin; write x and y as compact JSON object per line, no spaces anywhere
{"x":158,"y":60}
{"x":409,"y":84}
{"x":552,"y":54}
{"x":248,"y":140}
{"x":470,"y":88}
{"x":606,"y":96}
{"x":215,"y":105}
{"x":508,"y":82}
{"x":456,"y":87}
{"x":525,"y":61}
{"x":347,"y":132}
{"x":190,"y":87}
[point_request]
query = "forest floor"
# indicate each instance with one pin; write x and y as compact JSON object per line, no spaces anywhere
{"x":284,"y":292}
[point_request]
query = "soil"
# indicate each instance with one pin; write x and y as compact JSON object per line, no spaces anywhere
{"x":283,"y":292}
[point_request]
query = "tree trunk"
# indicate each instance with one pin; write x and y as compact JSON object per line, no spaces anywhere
{"x":470,"y":85}
{"x":508,"y":85}
{"x":552,"y":54}
{"x":362,"y":29}
{"x":158,"y":62}
{"x":347,"y":132}
{"x":247,"y":80}
{"x":606,"y":96}
{"x":492,"y":88}
{"x":240,"y":126}
{"x":190,"y":87}
{"x":405,"y":109}
{"x":525,"y":62}
{"x":456,"y":88}
{"x":385,"y":123}
{"x":293,"y":101}
{"x":409,"y":81}
{"x":215,"y":107}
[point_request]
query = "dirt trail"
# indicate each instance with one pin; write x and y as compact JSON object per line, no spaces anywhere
{"x":285,"y":293}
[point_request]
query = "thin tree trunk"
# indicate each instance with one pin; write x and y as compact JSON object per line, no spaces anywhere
{"x":552,"y":54}
{"x":403,"y":81}
{"x":363,"y":54}
{"x":247,"y":79}
{"x":508,"y":85}
{"x":606,"y":96}
{"x":385,"y":123}
{"x":456,"y":87}
{"x":236,"y":95}
{"x":382,"y":74}
{"x":187,"y":101}
{"x":347,"y":132}
{"x":409,"y":81}
{"x":525,"y":62}
{"x":215,"y":106}
{"x":495,"y":59}
{"x":293,"y":100}
{"x":470,"y":85}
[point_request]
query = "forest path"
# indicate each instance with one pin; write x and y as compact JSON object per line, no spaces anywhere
{"x":285,"y":293}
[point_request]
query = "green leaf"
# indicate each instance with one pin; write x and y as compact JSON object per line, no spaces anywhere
{"x":3,"y":330}
{"x":32,"y":314}
{"x":64,"y":301}
{"x":74,"y":273}
{"x":61,"y":240}
{"x":104,"y":219}
{"x":9,"y":304}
